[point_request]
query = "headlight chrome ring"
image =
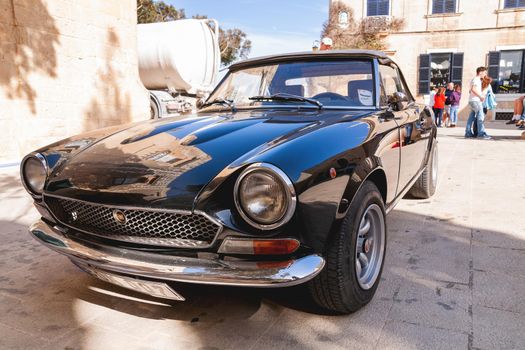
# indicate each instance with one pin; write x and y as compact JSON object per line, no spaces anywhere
{"x":38,"y":161}
{"x":288,"y":192}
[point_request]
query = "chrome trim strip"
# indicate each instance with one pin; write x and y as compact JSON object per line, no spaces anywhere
{"x":292,"y":198}
{"x":176,"y":268}
{"x":196,"y":243}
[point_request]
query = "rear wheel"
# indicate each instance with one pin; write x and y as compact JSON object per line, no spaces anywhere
{"x":153,"y":109}
{"x":354,"y":257}
{"x":425,"y":185}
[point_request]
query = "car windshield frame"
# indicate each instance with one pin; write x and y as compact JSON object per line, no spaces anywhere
{"x":254,"y":104}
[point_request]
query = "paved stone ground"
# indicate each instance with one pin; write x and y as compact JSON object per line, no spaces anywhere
{"x":454,"y":278}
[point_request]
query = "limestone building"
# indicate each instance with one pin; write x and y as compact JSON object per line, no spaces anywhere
{"x":445,"y":40}
{"x":66,"y":67}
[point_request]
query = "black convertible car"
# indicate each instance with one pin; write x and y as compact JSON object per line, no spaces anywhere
{"x":284,"y":177}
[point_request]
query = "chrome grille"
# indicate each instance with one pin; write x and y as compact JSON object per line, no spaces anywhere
{"x":145,"y":226}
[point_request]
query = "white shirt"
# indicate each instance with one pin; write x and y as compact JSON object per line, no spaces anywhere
{"x":431,"y":98}
{"x":475,"y":83}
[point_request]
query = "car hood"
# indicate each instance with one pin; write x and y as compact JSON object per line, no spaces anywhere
{"x":166,"y":163}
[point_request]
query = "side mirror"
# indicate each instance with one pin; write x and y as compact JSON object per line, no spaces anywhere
{"x":398,"y":101}
{"x":200,"y":102}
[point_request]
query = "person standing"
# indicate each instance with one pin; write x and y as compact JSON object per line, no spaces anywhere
{"x":490,"y":99}
{"x":454,"y":99}
{"x":326,"y":44}
{"x":446,"y":113}
{"x":439,"y":105}
{"x":476,"y":107}
{"x":431,"y":99}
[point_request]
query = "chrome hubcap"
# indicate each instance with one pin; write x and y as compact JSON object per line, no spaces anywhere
{"x":370,"y":246}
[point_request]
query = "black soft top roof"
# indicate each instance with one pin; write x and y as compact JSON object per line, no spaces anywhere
{"x":309,"y":55}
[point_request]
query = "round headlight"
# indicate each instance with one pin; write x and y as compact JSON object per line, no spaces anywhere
{"x":34,"y":173}
{"x":265,"y":196}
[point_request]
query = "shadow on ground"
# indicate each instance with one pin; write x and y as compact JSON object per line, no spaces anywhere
{"x":425,"y":252}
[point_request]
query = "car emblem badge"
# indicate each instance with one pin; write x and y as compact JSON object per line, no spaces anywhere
{"x":74,"y":215}
{"x":119,"y":216}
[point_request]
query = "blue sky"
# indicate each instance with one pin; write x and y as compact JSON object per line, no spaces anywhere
{"x":273,"y":26}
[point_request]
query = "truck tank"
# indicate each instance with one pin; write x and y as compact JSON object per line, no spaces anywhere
{"x":180,"y":56}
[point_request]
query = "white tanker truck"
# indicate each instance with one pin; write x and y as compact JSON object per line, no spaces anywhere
{"x":178,"y":63}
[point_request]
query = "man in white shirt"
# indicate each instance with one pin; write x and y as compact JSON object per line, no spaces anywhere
{"x":475,"y":102}
{"x":431,"y":98}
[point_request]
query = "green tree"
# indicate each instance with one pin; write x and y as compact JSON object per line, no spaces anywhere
{"x":149,"y":11}
{"x":233,"y":43}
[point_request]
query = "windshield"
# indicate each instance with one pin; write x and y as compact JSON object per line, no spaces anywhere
{"x":337,"y":83}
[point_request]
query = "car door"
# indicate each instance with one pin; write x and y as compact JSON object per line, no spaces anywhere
{"x":391,"y":116}
{"x":414,"y":135}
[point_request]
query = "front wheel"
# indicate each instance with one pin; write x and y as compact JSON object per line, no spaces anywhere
{"x":354,"y":257}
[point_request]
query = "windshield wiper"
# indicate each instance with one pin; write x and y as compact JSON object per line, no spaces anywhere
{"x":221,"y":101}
{"x":286,"y":97}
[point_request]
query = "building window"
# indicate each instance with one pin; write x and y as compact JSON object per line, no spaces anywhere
{"x":509,"y":4}
{"x":507,"y":69}
{"x":439,"y":69}
{"x":378,"y":7}
{"x":443,"y":6}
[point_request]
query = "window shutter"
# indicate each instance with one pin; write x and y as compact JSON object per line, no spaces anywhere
{"x":443,"y":6}
{"x":457,"y":68}
{"x":437,"y":6}
{"x":371,"y":7}
{"x":383,"y":8}
{"x":450,"y":6}
{"x":493,"y":69}
{"x":377,"y":7}
{"x":514,"y":3}
{"x":424,"y":74}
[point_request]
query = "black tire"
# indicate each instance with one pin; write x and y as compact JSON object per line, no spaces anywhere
{"x":337,"y":289}
{"x":425,"y":185}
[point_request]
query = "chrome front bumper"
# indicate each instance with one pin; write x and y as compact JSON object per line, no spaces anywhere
{"x":176,"y":268}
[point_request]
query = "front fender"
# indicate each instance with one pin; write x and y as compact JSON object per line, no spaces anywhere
{"x":324,"y":206}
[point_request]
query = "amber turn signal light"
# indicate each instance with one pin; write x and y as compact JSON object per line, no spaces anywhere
{"x":259,"y":246}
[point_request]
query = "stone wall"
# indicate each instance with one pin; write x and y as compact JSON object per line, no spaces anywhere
{"x":66,"y":67}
